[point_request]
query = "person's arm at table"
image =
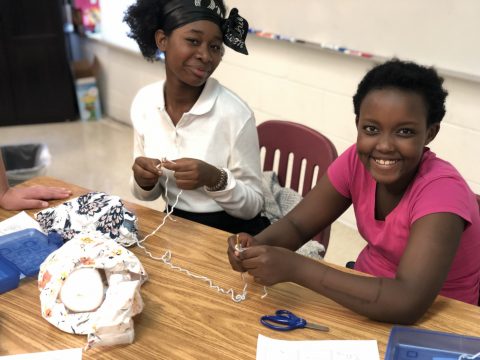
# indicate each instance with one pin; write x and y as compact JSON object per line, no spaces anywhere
{"x":32,"y":197}
{"x":270,"y":259}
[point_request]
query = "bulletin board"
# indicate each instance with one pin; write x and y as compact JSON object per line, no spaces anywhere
{"x":443,"y":33}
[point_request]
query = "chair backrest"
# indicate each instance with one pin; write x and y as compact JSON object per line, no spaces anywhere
{"x":478,"y":201}
{"x":310,"y":150}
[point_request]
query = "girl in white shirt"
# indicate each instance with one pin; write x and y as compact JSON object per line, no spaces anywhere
{"x":206,"y":133}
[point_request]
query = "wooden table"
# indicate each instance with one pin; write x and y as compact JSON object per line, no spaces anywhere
{"x":185,"y":319}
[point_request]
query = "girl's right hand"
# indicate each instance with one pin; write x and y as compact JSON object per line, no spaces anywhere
{"x":269,"y":265}
{"x":245,"y":240}
{"x":145,"y":172}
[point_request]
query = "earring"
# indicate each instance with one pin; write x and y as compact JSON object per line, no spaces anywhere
{"x":160,"y":55}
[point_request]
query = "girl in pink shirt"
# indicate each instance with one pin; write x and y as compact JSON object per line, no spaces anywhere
{"x":419,"y":217}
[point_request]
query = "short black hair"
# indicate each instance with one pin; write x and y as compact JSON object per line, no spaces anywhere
{"x":406,"y":76}
{"x":144,"y":19}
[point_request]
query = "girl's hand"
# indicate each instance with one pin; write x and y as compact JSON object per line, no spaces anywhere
{"x":32,"y":197}
{"x":269,"y":265}
{"x":191,"y":174}
{"x":244,"y":240}
{"x":145,"y":172}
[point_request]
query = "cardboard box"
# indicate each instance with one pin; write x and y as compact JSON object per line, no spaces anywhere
{"x":88,"y":96}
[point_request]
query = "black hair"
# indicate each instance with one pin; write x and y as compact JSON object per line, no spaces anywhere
{"x":406,"y":76}
{"x":144,"y":18}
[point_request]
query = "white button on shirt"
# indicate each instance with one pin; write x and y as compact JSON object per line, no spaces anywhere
{"x":219,"y":129}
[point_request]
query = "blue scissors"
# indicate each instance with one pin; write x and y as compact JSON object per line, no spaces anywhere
{"x":284,"y":320}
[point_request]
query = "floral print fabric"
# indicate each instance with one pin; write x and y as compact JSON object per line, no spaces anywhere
{"x":94,"y":226}
{"x":111,"y":323}
{"x":95,"y":214}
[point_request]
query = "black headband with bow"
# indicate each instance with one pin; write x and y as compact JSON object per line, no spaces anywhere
{"x":181,"y":12}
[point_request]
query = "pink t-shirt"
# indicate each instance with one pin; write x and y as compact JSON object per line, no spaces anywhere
{"x":437,"y":187}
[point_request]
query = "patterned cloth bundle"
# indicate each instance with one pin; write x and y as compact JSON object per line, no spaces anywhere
{"x":91,"y":285}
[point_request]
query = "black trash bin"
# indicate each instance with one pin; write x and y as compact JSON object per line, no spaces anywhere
{"x":25,"y":161}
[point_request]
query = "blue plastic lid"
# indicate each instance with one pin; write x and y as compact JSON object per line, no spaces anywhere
{"x":407,"y":343}
{"x":27,"y":249}
{"x":9,"y":275}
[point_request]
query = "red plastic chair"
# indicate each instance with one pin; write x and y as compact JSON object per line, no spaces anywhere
{"x":303,"y":143}
{"x":478,"y":201}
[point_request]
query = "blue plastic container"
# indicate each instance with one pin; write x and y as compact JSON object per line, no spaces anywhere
{"x":9,"y":275}
{"x":406,"y":343}
{"x":22,"y":252}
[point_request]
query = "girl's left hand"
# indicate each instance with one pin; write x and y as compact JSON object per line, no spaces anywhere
{"x":191,"y":174}
{"x":269,"y":265}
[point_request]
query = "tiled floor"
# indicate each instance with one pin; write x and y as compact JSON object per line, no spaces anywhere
{"x":98,"y":155}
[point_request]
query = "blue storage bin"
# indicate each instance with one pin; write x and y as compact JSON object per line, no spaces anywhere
{"x":28,"y":248}
{"x":407,"y":343}
{"x":9,"y":275}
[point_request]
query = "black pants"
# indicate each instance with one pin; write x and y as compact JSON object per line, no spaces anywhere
{"x":223,"y":221}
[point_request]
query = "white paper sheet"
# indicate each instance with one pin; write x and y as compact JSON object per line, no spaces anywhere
{"x":272,"y":349}
{"x":69,"y":354}
{"x":18,"y":222}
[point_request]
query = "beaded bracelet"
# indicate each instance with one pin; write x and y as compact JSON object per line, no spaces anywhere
{"x":221,"y":183}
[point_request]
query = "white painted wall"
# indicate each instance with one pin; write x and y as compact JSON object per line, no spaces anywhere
{"x":282,"y":80}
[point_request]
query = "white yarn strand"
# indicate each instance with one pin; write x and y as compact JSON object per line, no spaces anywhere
{"x":167,"y":256}
{"x":469,"y":357}
{"x":168,"y":215}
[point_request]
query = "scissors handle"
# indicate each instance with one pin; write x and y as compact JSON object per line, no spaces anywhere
{"x":284,"y":320}
{"x":276,"y":322}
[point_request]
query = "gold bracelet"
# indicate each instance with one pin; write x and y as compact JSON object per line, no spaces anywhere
{"x":221,"y":183}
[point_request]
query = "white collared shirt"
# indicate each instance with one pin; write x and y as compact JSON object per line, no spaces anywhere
{"x":219,"y":129}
